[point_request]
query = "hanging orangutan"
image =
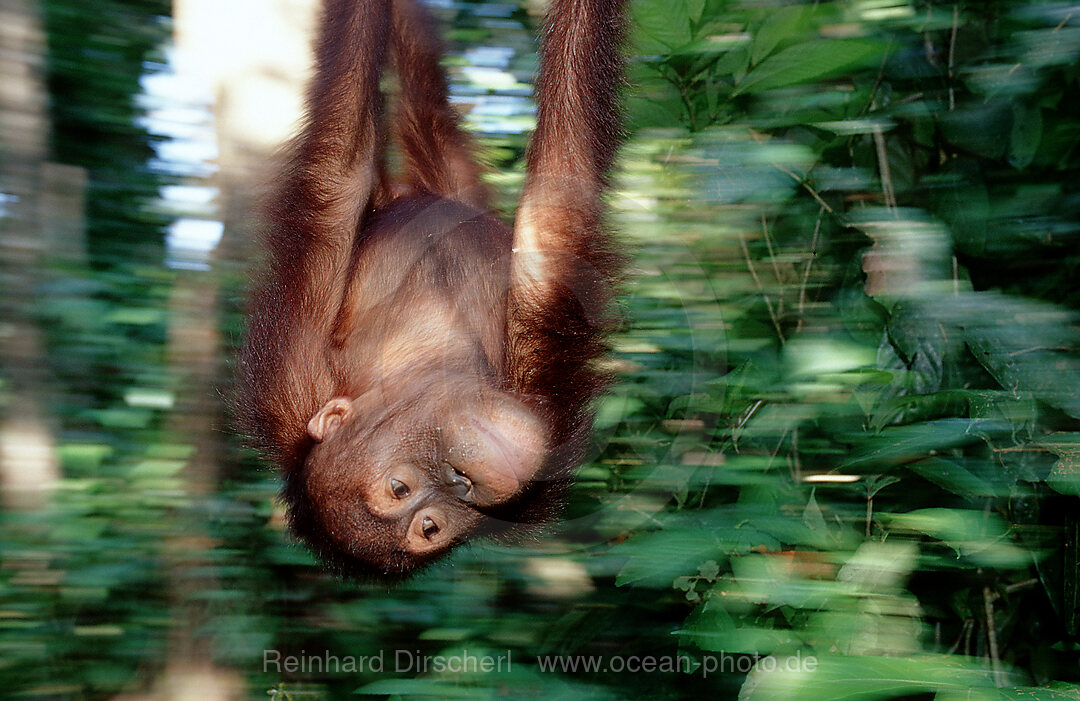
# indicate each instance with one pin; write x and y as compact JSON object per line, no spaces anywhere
{"x":420,"y":371}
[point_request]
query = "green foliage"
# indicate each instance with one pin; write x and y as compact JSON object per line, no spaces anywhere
{"x":900,"y":352}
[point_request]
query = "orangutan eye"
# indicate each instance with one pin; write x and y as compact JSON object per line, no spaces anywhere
{"x":399,"y":488}
{"x":429,"y":528}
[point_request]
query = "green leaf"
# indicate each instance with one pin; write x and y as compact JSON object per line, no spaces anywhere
{"x":658,"y":557}
{"x":865,"y":678}
{"x":662,"y":114}
{"x":880,"y":567}
{"x":973,"y":534}
{"x":805,"y":62}
{"x":915,"y":441}
{"x":1057,"y":691}
{"x":781,"y":24}
{"x":695,"y":7}
{"x":615,"y":409}
{"x":733,"y":63}
{"x":982,"y":129}
{"x":812,"y":516}
{"x":1065,"y":476}
{"x":666,"y":21}
{"x":953,"y":477}
{"x":1015,"y":340}
{"x":1026,"y":134}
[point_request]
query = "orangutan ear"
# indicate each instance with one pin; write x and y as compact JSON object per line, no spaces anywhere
{"x":329,"y":417}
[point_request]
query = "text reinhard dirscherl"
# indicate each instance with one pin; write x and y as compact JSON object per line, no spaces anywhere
{"x":415,"y":662}
{"x":400,"y":662}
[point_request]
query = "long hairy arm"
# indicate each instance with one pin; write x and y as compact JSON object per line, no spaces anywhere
{"x":325,"y":191}
{"x":439,"y":155}
{"x":563,"y":263}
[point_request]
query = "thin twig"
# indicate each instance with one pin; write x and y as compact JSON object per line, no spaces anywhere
{"x":809,"y":263}
{"x":883,"y":166}
{"x":952,"y":55}
{"x":1027,"y":583}
{"x":991,"y":635}
{"x":761,"y":288}
{"x":775,"y":265}
{"x":768,"y":244}
{"x":705,"y":489}
{"x":806,"y":186}
{"x":870,"y":104}
{"x":796,"y":464}
{"x":964,"y":632}
{"x":776,"y":450}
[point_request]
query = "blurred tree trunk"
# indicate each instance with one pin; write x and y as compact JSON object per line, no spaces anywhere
{"x":211,"y":51}
{"x":196,"y":362}
{"x":43,"y":204}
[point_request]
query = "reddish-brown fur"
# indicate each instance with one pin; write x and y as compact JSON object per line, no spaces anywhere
{"x":421,"y":372}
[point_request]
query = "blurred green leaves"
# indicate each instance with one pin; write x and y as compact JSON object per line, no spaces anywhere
{"x":892,"y":180}
{"x":805,"y":62}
